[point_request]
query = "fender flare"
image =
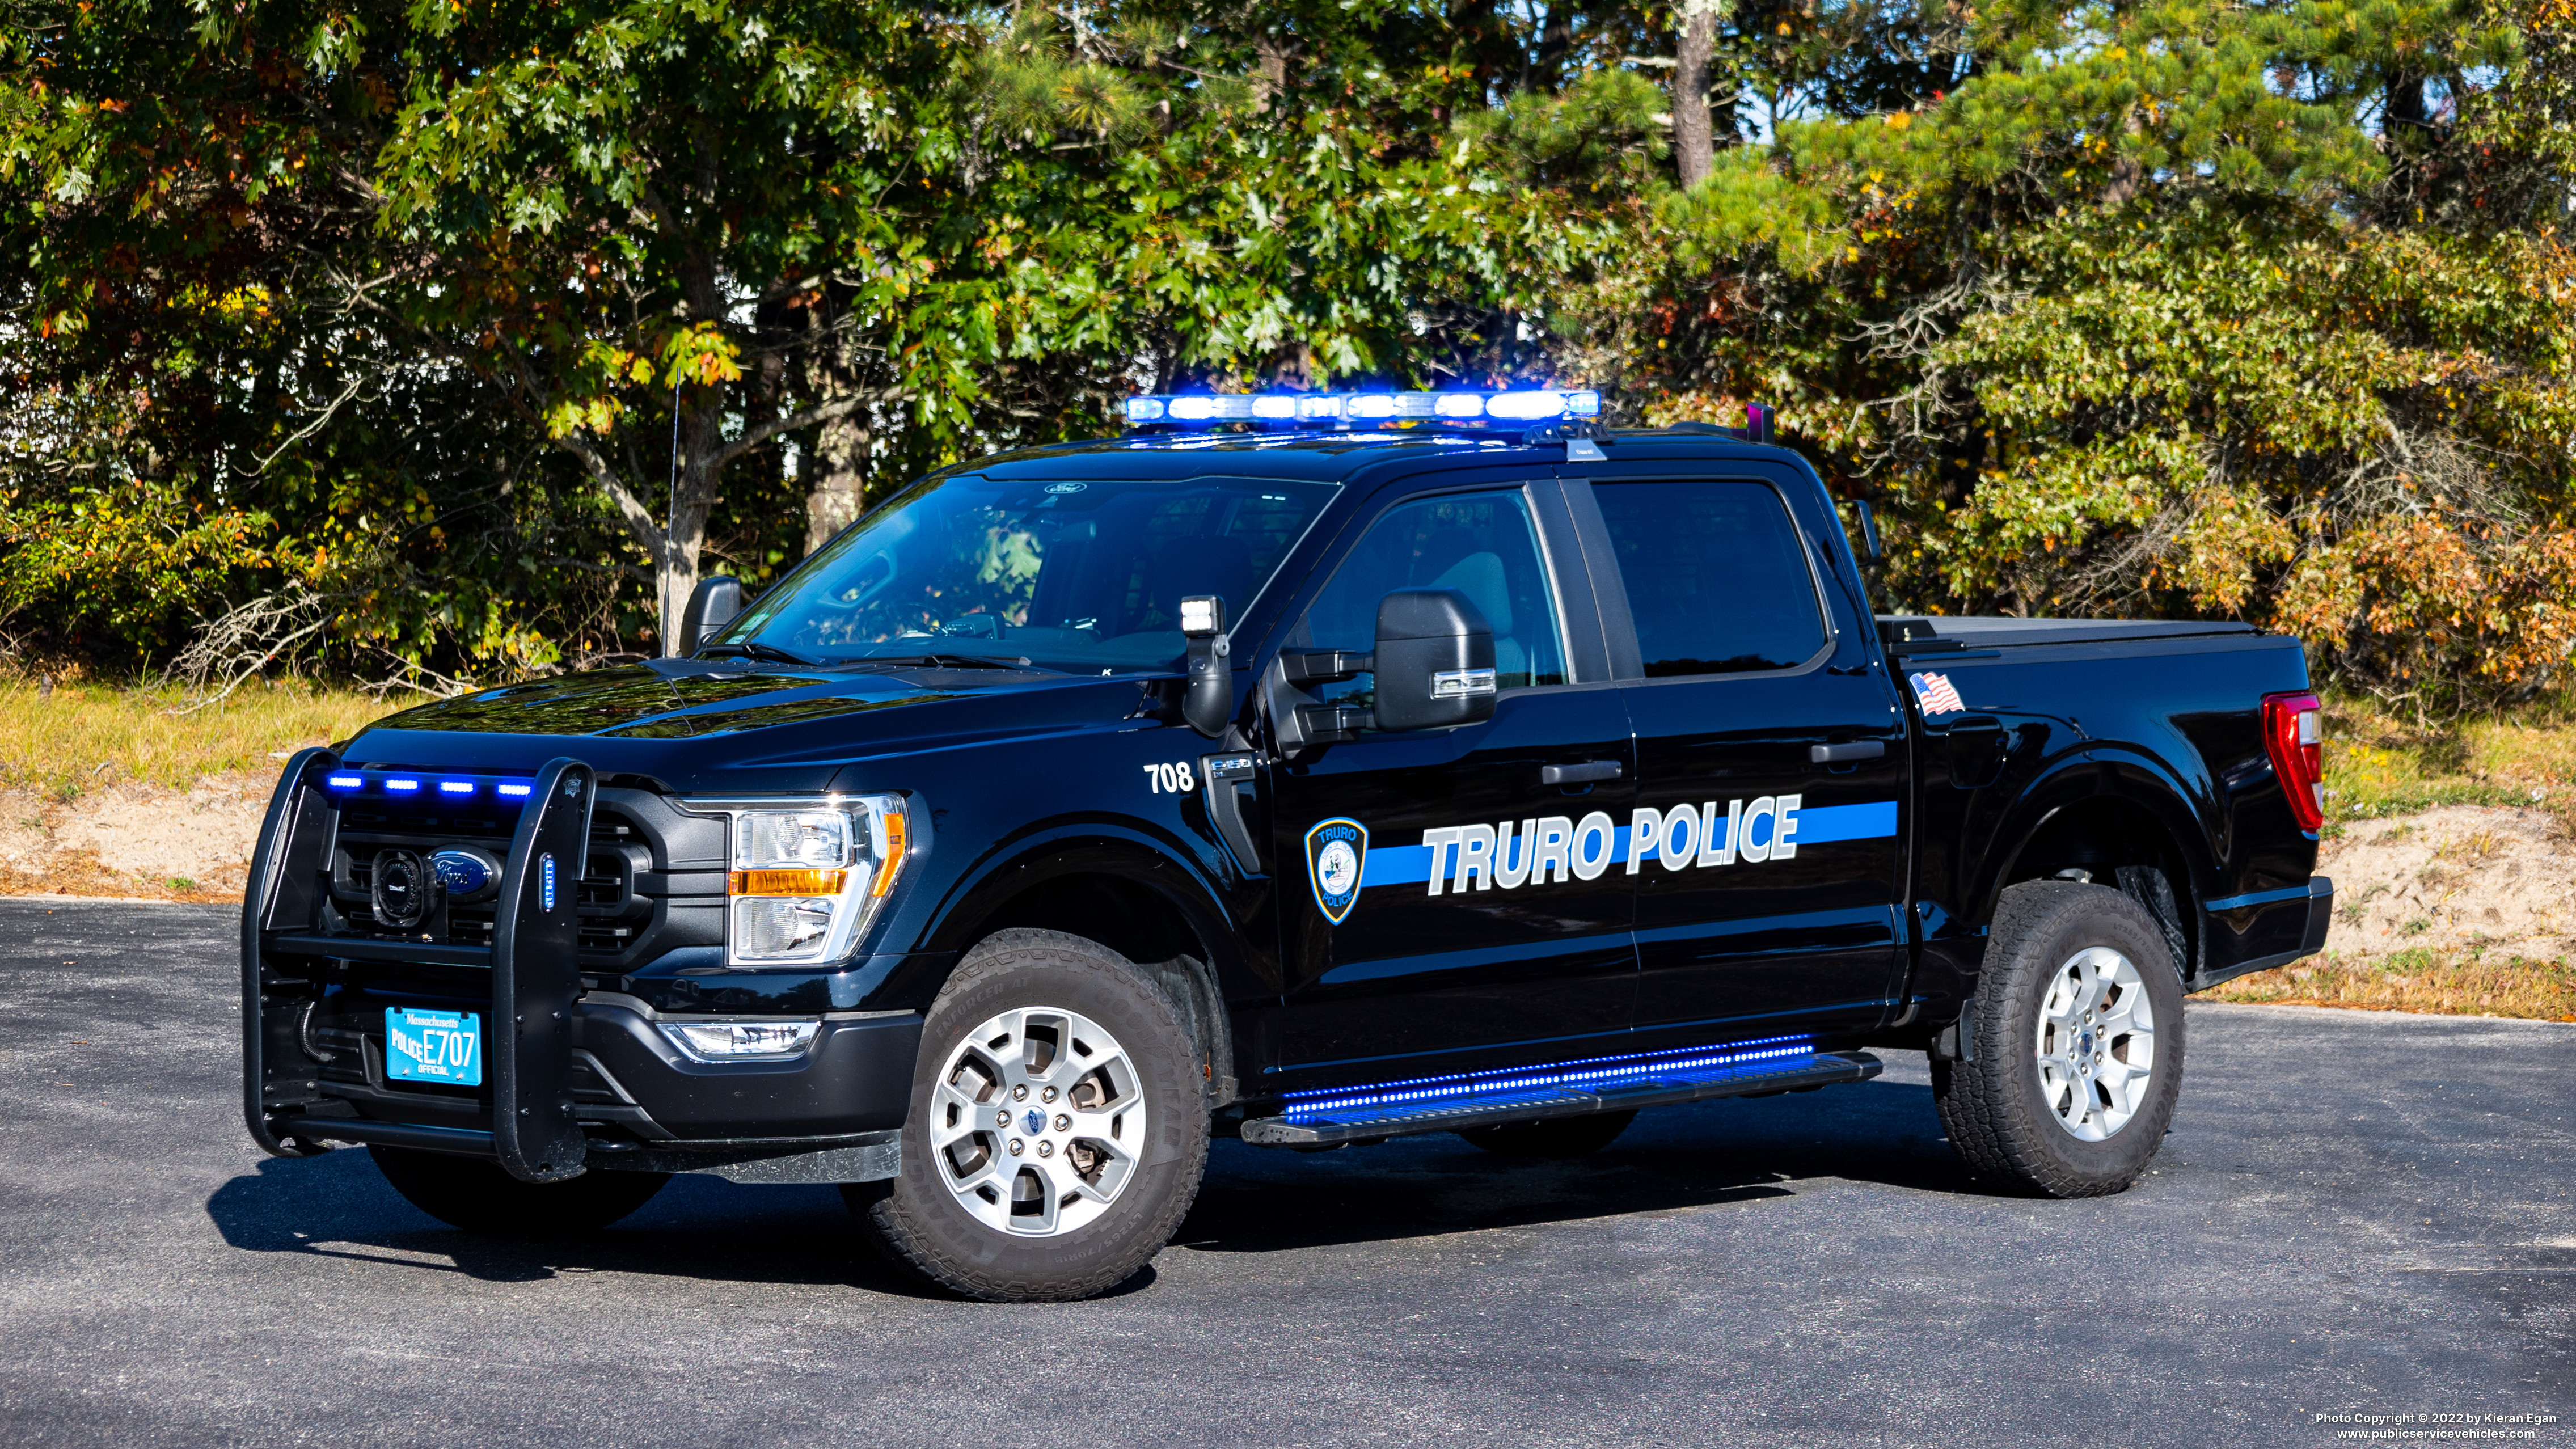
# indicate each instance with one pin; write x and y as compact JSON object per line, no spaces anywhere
{"x":2118,"y":772}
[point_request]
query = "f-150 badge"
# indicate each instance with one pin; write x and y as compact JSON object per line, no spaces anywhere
{"x":1336,"y":851}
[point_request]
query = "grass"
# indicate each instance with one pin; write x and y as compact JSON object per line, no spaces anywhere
{"x":2380,"y":764}
{"x":83,"y":736}
{"x":2469,"y":983}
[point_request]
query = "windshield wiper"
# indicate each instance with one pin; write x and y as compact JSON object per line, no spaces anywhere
{"x":757,"y":650}
{"x":949,"y":661}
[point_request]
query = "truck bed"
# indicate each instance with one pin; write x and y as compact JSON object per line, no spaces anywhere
{"x":1987,"y":631}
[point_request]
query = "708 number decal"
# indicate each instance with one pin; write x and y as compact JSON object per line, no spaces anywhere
{"x":1170,"y":779}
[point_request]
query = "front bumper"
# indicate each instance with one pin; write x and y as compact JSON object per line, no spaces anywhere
{"x":572,"y":1080}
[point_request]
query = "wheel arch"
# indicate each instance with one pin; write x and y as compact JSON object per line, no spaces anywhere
{"x":2124,"y":821}
{"x":1124,"y":892}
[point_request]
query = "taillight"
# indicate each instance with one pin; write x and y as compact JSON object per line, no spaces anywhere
{"x":2294,"y":732}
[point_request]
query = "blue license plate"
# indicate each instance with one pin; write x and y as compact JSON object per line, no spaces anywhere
{"x":434,"y":1046}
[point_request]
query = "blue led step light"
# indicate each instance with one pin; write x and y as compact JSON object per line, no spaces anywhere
{"x":1621,"y":1083}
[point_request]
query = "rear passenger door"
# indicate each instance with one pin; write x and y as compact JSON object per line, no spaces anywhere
{"x":1766,"y":850}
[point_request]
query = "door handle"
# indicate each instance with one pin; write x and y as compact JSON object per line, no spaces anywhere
{"x":1586,"y":773}
{"x":1845,"y":754}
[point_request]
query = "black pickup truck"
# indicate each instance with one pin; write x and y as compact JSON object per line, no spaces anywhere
{"x":1309,"y":771}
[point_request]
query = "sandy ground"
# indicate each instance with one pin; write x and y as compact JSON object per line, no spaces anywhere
{"x":2455,"y":878}
{"x":135,"y":841}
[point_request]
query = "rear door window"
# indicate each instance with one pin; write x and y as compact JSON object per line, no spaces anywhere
{"x":1717,"y":578}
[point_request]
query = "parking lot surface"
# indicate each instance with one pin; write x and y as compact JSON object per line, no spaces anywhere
{"x":2355,"y":1215}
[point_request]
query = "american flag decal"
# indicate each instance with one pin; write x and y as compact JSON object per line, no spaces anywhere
{"x":1939,"y":696}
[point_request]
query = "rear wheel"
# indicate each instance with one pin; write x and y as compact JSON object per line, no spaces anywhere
{"x":1058,"y":1126}
{"x":478,"y":1196}
{"x":1553,"y":1136}
{"x":2078,"y":1035}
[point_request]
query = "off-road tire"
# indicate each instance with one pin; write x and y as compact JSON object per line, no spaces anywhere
{"x":478,"y":1196}
{"x":1552,"y":1136}
{"x":1993,"y":1106}
{"x":917,"y":1222}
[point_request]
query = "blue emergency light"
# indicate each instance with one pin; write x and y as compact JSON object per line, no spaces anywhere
{"x":1342,"y":409}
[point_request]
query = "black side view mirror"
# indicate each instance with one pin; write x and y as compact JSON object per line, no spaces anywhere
{"x":712,"y":605}
{"x":1434,"y":661}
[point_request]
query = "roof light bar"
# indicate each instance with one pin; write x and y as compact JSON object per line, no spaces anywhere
{"x":1290,"y":409}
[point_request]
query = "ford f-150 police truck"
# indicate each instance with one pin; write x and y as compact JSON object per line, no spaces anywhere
{"x":1307,"y":770}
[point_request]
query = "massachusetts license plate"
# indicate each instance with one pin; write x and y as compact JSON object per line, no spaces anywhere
{"x":434,"y":1046}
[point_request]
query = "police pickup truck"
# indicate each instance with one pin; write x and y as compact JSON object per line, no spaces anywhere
{"x":1307,"y":770}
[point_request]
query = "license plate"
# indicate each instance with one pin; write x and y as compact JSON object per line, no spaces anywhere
{"x":434,"y":1046}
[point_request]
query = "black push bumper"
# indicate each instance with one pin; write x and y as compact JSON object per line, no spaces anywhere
{"x":574,"y":1081}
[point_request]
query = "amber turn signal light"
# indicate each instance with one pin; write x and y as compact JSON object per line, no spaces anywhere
{"x":785,"y":882}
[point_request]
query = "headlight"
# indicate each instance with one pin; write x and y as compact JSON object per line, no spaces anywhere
{"x":807,"y":879}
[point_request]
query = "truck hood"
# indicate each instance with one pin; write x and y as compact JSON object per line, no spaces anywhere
{"x":696,"y":724}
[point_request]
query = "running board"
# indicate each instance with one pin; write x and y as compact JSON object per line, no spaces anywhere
{"x":1571,"y":1089}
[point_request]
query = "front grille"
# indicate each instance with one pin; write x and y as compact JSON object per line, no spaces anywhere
{"x":613,"y":918}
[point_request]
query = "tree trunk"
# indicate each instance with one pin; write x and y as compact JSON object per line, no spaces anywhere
{"x":1694,"y":147}
{"x":684,"y":535}
{"x":837,"y":473}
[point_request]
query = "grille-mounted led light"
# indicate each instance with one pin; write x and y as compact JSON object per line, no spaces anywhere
{"x":402,"y":787}
{"x":1292,"y":409}
{"x":455,"y":787}
{"x":346,"y":782}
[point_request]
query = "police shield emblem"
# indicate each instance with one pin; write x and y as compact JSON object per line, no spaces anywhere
{"x":1336,"y":852}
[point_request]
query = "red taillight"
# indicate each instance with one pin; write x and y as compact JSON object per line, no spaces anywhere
{"x":2294,"y":732}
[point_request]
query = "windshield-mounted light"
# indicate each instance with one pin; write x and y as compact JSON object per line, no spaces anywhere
{"x":806,"y":877}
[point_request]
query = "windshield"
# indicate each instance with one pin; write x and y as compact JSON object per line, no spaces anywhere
{"x":1078,"y":576}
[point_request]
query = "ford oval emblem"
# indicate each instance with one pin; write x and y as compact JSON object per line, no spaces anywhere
{"x":1060,"y":489}
{"x":463,"y":873}
{"x":546,"y":882}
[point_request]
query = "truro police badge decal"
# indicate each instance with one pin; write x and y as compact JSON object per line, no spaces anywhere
{"x":1335,"y":852}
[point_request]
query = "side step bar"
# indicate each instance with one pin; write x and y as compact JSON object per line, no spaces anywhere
{"x":1570,"y":1089}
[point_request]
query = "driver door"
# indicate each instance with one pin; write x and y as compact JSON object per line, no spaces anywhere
{"x":1441,"y":900}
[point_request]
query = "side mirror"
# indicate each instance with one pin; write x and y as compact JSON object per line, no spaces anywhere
{"x":1207,"y":701}
{"x":712,"y":605}
{"x":1434,"y":661}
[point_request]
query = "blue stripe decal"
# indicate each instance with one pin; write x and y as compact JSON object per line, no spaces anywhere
{"x":1391,"y":865}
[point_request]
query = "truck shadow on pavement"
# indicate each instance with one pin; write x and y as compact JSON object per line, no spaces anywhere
{"x":1254,"y":1200}
{"x":1259,"y":1200}
{"x":338,"y":1206}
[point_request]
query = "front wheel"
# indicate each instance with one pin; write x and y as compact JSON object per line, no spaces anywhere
{"x":2078,"y":1034}
{"x":1058,"y":1129}
{"x":480,"y":1197}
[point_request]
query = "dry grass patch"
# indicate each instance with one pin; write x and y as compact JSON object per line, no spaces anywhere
{"x":2447,"y":983}
{"x":84,"y":737}
{"x":2380,"y":764}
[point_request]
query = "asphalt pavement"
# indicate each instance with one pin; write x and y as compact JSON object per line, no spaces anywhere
{"x":2356,"y":1214}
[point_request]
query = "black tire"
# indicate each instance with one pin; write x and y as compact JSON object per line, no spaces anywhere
{"x":1996,"y":1109}
{"x":1552,"y":1137}
{"x":475,"y":1195}
{"x":918,"y":1222}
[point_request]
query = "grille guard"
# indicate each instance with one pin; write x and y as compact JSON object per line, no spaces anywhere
{"x":535,"y":979}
